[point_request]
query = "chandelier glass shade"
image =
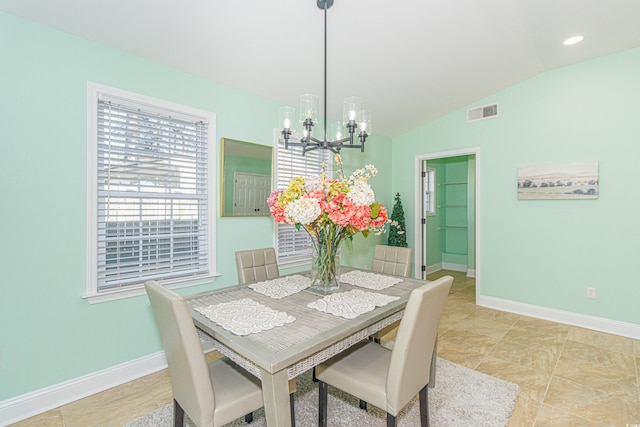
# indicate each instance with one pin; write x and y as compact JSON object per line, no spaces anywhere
{"x":350,"y":132}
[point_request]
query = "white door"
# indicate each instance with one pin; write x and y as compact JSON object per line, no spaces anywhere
{"x":251,"y":192}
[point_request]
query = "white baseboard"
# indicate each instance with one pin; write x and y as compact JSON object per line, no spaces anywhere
{"x":39,"y":401}
{"x":450,"y":266}
{"x":433,"y":268}
{"x":615,"y":327}
{"x":454,"y":267}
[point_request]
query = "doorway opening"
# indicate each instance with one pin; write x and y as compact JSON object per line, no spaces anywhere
{"x":446,"y":213}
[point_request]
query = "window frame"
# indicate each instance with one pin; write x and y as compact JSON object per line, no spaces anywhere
{"x":429,"y":180}
{"x":94,"y":92}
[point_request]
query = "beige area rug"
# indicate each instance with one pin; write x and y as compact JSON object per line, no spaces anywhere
{"x":462,"y":397}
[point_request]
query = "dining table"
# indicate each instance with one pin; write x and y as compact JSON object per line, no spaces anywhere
{"x":308,"y":328}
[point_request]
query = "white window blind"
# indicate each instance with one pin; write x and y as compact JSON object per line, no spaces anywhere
{"x":294,"y":246}
{"x":152,"y":194}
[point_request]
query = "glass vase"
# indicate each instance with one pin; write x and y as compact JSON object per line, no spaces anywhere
{"x":325,"y":264}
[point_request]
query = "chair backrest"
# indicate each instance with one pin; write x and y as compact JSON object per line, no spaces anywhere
{"x":411,"y":355}
{"x":188,"y":369}
{"x":392,"y":260}
{"x":257,"y":265}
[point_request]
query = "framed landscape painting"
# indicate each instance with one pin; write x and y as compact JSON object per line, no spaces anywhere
{"x":560,"y":181}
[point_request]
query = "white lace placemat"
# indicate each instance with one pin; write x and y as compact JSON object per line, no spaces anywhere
{"x":368,"y":280}
{"x":282,"y":286}
{"x":245,"y":316}
{"x":351,"y":304}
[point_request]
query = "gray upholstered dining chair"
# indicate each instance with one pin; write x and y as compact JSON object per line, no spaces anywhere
{"x":385,"y":378}
{"x":390,"y":260}
{"x":214,"y":394}
{"x":256,"y":265}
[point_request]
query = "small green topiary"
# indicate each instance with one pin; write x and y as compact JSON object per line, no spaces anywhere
{"x":397,"y":236}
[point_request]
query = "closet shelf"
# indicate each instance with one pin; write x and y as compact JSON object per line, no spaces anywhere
{"x":453,"y":183}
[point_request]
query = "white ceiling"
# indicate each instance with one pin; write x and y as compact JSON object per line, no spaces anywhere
{"x":410,"y":60}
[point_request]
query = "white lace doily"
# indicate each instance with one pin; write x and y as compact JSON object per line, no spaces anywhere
{"x":245,"y":316}
{"x":351,"y":304}
{"x":282,"y":286}
{"x":368,"y":280}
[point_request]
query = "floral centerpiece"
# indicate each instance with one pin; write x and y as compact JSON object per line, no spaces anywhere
{"x":331,"y":211}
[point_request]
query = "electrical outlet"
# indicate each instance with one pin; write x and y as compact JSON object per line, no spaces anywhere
{"x":591,"y":293}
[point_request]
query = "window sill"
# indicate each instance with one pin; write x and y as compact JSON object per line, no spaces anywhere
{"x":292,"y":264}
{"x":112,"y":295}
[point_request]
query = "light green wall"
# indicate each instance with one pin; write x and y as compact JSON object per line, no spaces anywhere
{"x":547,"y":252}
{"x":48,"y":333}
{"x":454,"y":191}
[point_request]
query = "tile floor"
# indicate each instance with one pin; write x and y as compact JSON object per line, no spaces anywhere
{"x":568,"y":376}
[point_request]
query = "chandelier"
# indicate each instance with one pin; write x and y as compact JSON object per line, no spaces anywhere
{"x":354,"y":117}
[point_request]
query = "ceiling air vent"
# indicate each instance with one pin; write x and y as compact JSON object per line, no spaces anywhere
{"x":480,"y":113}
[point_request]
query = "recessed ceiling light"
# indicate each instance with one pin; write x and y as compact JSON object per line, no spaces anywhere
{"x":572,"y":40}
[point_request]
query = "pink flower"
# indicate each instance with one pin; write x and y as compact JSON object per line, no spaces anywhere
{"x":318,"y":195}
{"x":339,"y":209}
{"x":278,"y":213}
{"x":361,"y":217}
{"x":381,"y":219}
{"x":339,"y":217}
{"x":273,"y":198}
{"x":337,"y":201}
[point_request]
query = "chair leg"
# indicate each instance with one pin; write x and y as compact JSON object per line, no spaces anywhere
{"x":424,"y":407}
{"x":432,"y":371}
{"x":322,"y":404}
{"x":178,"y":414}
{"x":248,"y":418}
{"x":293,"y":410}
{"x":363,"y":405}
{"x":391,"y":420}
{"x":313,"y":376}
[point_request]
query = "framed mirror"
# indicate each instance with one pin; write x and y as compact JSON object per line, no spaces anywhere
{"x":246,"y":178}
